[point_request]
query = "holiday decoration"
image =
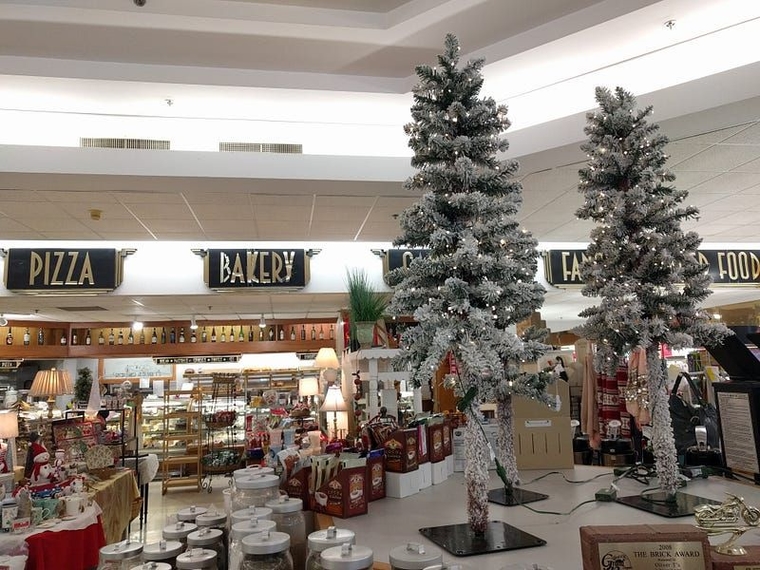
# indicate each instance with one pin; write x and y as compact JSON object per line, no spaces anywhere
{"x":42,"y":471}
{"x":478,"y":278}
{"x":640,"y":263}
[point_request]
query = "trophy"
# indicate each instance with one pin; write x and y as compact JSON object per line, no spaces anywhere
{"x":732,"y":516}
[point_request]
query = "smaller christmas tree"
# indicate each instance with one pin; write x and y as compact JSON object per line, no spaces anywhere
{"x":640,"y":263}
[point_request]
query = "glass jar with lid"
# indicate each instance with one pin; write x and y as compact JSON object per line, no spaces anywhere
{"x":287,"y":512}
{"x":320,"y":540}
{"x":189,"y":514}
{"x":238,"y":532}
{"x":414,"y":556}
{"x":153,"y":566}
{"x":267,"y":551}
{"x":347,"y":557}
{"x":250,"y":471}
{"x":210,"y":539}
{"x":214,"y":519}
{"x":255,"y":491}
{"x":252,"y":512}
{"x":163,"y":551}
{"x":197,"y":559}
{"x":120,"y":555}
{"x":179,"y":531}
{"x":459,"y":566}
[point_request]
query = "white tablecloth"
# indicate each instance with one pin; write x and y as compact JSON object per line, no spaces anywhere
{"x":147,"y":467}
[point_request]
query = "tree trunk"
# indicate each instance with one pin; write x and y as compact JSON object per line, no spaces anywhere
{"x":663,"y":443}
{"x":505,"y":449}
{"x":476,"y":474}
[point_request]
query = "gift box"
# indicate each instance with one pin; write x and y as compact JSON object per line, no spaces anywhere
{"x":435,"y":443}
{"x":297,"y":486}
{"x":401,"y":451}
{"x":344,"y":495}
{"x":376,"y":475}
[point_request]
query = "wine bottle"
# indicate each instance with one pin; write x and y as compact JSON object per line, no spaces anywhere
{"x":142,"y":336}
{"x":101,"y":339}
{"x":261,"y":334}
{"x":154,"y":337}
{"x":64,"y":340}
{"x":292,"y":333}
{"x":250,"y":333}
{"x":303,"y":332}
{"x":131,"y":337}
{"x":120,"y":340}
{"x":281,"y":335}
{"x":40,"y":337}
{"x":193,"y":337}
{"x":9,"y":337}
{"x":27,"y":337}
{"x":172,"y":335}
{"x":74,"y":338}
{"x":271,"y":333}
{"x":163,"y":335}
{"x":88,"y":338}
{"x":241,"y":336}
{"x":204,"y":335}
{"x":213,"y":334}
{"x":313,"y":332}
{"x":111,"y":338}
{"x":321,"y":333}
{"x":223,"y":336}
{"x":332,"y":332}
{"x":182,"y":334}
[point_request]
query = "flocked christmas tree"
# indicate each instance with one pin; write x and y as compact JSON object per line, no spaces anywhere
{"x":478,"y":279}
{"x":640,"y":263}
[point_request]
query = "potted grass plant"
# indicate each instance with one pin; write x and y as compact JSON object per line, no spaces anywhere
{"x":366,"y":306}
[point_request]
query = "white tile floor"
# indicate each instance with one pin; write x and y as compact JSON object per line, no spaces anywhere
{"x":392,"y":522}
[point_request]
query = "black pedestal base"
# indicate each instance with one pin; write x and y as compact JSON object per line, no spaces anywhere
{"x":656,"y":503}
{"x":459,"y":540}
{"x":514,"y":496}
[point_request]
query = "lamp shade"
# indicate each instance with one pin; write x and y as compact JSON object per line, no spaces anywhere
{"x":334,"y":401}
{"x":51,"y":382}
{"x":308,"y":386}
{"x":8,"y":424}
{"x":326,"y":358}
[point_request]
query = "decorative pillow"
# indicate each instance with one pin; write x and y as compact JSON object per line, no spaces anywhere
{"x":98,"y":457}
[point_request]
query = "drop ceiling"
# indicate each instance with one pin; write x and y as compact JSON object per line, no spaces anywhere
{"x":342,"y":66}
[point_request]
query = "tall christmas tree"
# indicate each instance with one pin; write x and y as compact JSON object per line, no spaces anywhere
{"x":478,"y":278}
{"x":640,"y":263}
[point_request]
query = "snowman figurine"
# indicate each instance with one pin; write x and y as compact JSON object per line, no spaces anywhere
{"x":42,"y":471}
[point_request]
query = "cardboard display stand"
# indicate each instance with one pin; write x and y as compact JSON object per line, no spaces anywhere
{"x":345,"y":495}
{"x":435,"y":443}
{"x":401,"y":451}
{"x":376,"y":475}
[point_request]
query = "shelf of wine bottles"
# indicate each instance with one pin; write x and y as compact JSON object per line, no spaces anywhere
{"x":175,"y":337}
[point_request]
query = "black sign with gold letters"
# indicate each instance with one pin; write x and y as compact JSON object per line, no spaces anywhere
{"x":725,"y":266}
{"x":256,"y":268}
{"x":401,"y":258}
{"x":60,"y":269}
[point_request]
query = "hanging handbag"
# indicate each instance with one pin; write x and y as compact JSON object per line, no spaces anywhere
{"x":685,"y":416}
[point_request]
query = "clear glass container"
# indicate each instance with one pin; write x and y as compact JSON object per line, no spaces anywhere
{"x":250,"y":471}
{"x":347,"y":557}
{"x":267,"y":551}
{"x":260,"y":513}
{"x":210,"y":539}
{"x":287,"y":512}
{"x":120,"y":556}
{"x":255,"y":491}
{"x":197,"y":559}
{"x":163,"y":551}
{"x":414,"y":556}
{"x":153,"y":566}
{"x":238,"y":532}
{"x":320,"y":540}
{"x":217,"y":520}
{"x":179,"y":531}
{"x":189,"y":514}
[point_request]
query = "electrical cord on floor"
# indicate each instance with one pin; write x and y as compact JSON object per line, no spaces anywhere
{"x":715,"y":470}
{"x":639,"y":472}
{"x":565,"y":478}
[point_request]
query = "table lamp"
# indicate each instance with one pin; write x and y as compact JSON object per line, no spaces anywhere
{"x":334,"y":403}
{"x":308,"y":388}
{"x":9,"y":432}
{"x":328,"y":361}
{"x":51,"y":383}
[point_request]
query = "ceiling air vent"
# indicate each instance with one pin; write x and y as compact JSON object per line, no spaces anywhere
{"x":133,"y":144}
{"x":280,"y":148}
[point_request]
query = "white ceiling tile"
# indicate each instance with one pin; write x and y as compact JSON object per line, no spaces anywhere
{"x":748,"y":135}
{"x":13,"y":195}
{"x":294,"y":213}
{"x":171,"y":226}
{"x":222,"y":211}
{"x":84,"y":196}
{"x":131,"y":198}
{"x":687,"y":179}
{"x":720,"y":158}
{"x":66,"y":234}
{"x":36,"y":210}
{"x":344,"y":202}
{"x":714,"y":136}
{"x":679,"y":151}
{"x":161,"y":211}
{"x":229,"y":198}
{"x":753,"y":166}
{"x":728,"y":183}
{"x":109,"y":211}
{"x":178,"y":236}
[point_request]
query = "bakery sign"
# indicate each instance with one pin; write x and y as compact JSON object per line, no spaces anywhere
{"x":401,"y":258}
{"x":725,"y":266}
{"x":229,"y":269}
{"x":62,"y":270}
